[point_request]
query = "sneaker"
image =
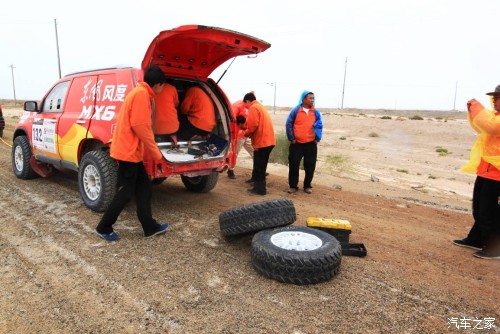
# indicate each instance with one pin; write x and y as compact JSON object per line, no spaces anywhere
{"x":163,"y":229}
{"x":230,"y":174}
{"x":252,"y":192}
{"x":484,"y":254}
{"x":292,"y":190}
{"x":308,"y":190}
{"x":467,"y":244}
{"x":113,"y":236}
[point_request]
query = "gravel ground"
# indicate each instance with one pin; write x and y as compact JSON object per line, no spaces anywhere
{"x":57,"y":276}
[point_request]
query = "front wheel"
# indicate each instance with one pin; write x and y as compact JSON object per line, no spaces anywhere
{"x":21,"y":156}
{"x":201,"y":184}
{"x":97,"y":178}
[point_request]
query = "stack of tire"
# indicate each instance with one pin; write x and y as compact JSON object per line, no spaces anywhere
{"x":288,"y":254}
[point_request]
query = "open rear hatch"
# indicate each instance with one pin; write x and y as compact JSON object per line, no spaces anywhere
{"x":195,"y":51}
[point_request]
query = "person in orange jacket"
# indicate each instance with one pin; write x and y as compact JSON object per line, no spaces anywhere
{"x":197,"y":114}
{"x":259,"y":127}
{"x":166,"y":121}
{"x":484,"y":236}
{"x":133,"y":135}
{"x":239,"y":109}
{"x":304,"y":128}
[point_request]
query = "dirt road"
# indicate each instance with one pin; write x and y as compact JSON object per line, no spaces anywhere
{"x":57,"y":276}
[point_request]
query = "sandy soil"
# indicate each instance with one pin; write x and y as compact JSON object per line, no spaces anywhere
{"x":404,"y":201}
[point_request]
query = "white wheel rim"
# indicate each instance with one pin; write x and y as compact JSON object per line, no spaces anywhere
{"x":91,"y":182}
{"x":295,"y":240}
{"x":18,"y":158}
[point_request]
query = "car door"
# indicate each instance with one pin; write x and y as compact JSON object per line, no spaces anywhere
{"x":75,"y":120}
{"x":44,"y":129}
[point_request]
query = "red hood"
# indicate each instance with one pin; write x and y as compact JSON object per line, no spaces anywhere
{"x":195,"y":51}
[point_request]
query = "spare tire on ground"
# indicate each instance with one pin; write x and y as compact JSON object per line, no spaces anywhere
{"x":257,"y":216}
{"x":296,"y":254}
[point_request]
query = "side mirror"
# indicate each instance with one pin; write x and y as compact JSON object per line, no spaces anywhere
{"x":31,"y":106}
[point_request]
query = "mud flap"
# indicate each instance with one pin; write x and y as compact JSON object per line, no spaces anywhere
{"x":42,"y":169}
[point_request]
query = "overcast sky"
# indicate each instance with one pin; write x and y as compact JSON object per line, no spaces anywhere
{"x":422,"y":54}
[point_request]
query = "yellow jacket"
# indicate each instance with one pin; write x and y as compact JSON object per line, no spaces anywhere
{"x":485,"y":153}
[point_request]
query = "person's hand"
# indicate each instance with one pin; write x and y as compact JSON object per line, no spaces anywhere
{"x":469,"y":103}
{"x":293,"y":141}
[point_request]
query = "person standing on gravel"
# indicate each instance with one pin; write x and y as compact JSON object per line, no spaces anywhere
{"x":240,"y":110}
{"x":132,"y":135}
{"x":304,"y":129}
{"x":484,"y":236}
{"x":259,"y":127}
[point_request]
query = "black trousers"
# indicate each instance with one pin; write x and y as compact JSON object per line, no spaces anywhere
{"x":188,"y":130}
{"x":132,"y":180}
{"x":260,"y":161}
{"x":297,"y":151}
{"x":486,"y":212}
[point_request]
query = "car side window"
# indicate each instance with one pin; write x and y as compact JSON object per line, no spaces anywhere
{"x":55,"y":99}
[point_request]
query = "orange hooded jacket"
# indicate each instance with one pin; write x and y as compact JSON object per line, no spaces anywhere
{"x":166,"y":120}
{"x":199,"y":109}
{"x":259,"y":126}
{"x":133,"y":132}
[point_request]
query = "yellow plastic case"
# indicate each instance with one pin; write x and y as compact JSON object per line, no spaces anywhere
{"x":339,"y":228}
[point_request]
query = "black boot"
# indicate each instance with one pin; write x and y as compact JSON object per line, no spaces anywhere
{"x":230,"y":174}
{"x":259,"y":188}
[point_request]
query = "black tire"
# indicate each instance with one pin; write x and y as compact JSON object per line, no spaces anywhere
{"x":21,"y":156}
{"x":97,"y":177}
{"x":1,"y":133}
{"x":296,"y":254}
{"x":201,"y":184}
{"x":158,"y":181}
{"x":257,"y":216}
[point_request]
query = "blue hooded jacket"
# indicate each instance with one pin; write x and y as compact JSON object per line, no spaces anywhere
{"x":317,"y":126}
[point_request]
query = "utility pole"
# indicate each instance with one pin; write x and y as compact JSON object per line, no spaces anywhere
{"x":455,"y":99}
{"x":13,"y":84}
{"x":343,"y":86}
{"x":274,"y":103}
{"x":57,"y":45}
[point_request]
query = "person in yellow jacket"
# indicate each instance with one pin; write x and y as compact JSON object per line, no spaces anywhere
{"x":484,"y":235}
{"x":259,"y":127}
{"x":133,"y":135}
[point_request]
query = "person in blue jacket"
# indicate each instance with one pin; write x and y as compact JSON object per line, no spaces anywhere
{"x":304,"y":129}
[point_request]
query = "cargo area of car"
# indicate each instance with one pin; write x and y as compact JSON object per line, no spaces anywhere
{"x":213,"y":146}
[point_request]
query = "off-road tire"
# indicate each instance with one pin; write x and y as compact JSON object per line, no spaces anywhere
{"x":21,"y":156}
{"x":282,"y":254}
{"x":201,"y":184}
{"x":257,"y":216}
{"x":97,"y":178}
